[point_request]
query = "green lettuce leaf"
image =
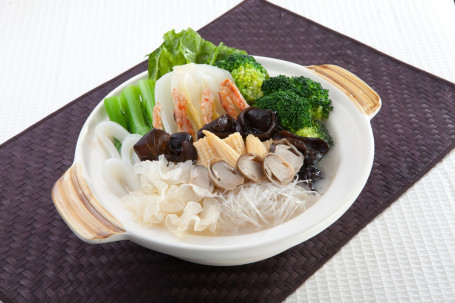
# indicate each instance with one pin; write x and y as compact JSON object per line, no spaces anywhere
{"x":185,"y":47}
{"x":226,"y":51}
{"x":207,"y":53}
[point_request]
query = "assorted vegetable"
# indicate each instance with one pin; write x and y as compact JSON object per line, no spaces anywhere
{"x":250,"y":166}
{"x":223,"y":175}
{"x":177,"y":147}
{"x":222,"y":127}
{"x":247,"y":73}
{"x":318,"y":97}
{"x":209,"y":128}
{"x":313,"y":150}
{"x":289,"y":152}
{"x":193,"y":95}
{"x":133,"y":108}
{"x":262,"y":123}
{"x":185,"y":47}
{"x":301,"y":104}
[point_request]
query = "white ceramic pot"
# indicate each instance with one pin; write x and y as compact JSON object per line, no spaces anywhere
{"x":96,"y":215}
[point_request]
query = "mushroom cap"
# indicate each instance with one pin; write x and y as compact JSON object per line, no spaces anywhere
{"x":223,"y":175}
{"x":199,"y":175}
{"x":250,"y":166}
{"x":289,"y":152}
{"x":313,"y":149}
{"x":277,"y":169}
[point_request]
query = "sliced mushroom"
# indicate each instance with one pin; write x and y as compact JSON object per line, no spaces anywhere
{"x":289,"y":152}
{"x":250,"y":166}
{"x":313,"y":149}
{"x":223,"y":175}
{"x":277,"y":169}
{"x":199,"y":175}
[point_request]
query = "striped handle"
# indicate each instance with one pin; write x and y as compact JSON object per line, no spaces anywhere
{"x":88,"y":219}
{"x":366,"y":99}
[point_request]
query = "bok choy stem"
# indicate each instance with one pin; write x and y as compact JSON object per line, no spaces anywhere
{"x":131,"y":103}
{"x":147,"y":88}
{"x":115,"y":111}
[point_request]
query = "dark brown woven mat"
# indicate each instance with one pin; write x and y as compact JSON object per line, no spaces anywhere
{"x":41,"y":260}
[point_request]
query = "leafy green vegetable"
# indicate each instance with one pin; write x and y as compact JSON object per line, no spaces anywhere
{"x":115,"y":111}
{"x":301,"y":105}
{"x":278,"y":83}
{"x":208,"y":52}
{"x":147,"y":89}
{"x":321,"y":105}
{"x":320,"y":102}
{"x":292,"y":110}
{"x":316,"y":130}
{"x":116,"y":114}
{"x":248,"y":74}
{"x":131,"y":104}
{"x":184,"y":47}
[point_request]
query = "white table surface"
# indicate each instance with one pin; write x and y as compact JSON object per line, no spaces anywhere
{"x":51,"y":52}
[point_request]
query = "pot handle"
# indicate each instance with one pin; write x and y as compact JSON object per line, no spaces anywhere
{"x":366,"y":99}
{"x":88,"y":219}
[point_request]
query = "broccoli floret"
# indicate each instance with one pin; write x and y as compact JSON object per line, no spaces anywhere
{"x":300,"y":103}
{"x":247,"y":73}
{"x":320,"y":102}
{"x":293,"y":111}
{"x":316,"y":130}
{"x":278,"y":83}
{"x":321,"y":105}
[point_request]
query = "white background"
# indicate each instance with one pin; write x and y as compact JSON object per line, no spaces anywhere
{"x":51,"y":52}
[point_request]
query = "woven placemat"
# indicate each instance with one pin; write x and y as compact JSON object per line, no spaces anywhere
{"x":41,"y":260}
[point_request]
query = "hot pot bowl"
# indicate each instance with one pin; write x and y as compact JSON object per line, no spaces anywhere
{"x":96,"y":215}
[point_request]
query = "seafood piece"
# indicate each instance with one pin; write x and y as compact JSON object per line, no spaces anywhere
{"x":231,"y":99}
{"x":127,"y":151}
{"x":106,"y":132}
{"x":200,"y":84}
{"x":234,"y":93}
{"x":180,"y":116}
{"x":227,"y":104}
{"x":207,"y":105}
{"x":157,"y":123}
{"x":119,"y":177}
{"x":214,"y":85}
